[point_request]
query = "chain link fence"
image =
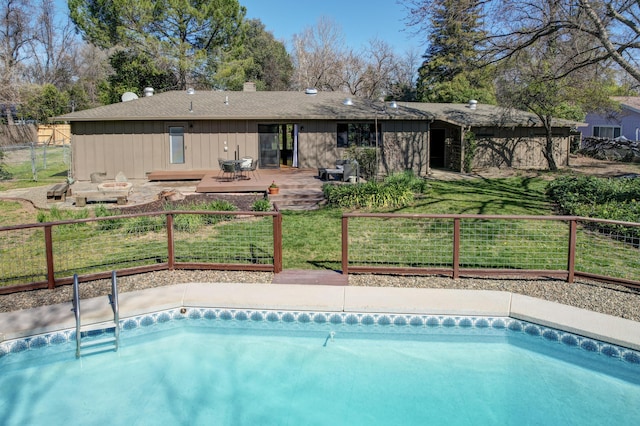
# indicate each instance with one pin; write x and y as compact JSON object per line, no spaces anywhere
{"x":36,"y":162}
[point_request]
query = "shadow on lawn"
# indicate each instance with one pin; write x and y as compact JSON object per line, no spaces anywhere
{"x":487,"y":196}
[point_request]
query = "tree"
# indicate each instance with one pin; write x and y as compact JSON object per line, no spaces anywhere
{"x":15,"y":34}
{"x":43,"y":102}
{"x":610,"y":30}
{"x":535,"y":80}
{"x":132,"y":73}
{"x":261,"y":59}
{"x":318,"y":56}
{"x":51,"y":48}
{"x":185,"y":34}
{"x":451,"y":70}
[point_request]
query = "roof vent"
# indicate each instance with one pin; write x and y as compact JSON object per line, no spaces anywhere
{"x":148,"y":91}
{"x":311,"y":91}
{"x":191,"y":91}
{"x":348,"y":102}
{"x":128,"y":96}
{"x":473,"y":104}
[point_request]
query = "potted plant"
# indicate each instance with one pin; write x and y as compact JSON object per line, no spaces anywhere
{"x":273,"y":188}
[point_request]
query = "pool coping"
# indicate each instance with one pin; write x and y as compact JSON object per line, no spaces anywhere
{"x":606,"y":328}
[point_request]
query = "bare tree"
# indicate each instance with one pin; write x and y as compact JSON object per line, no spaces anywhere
{"x":318,"y":56}
{"x":15,"y":34}
{"x":608,"y":30}
{"x":52,"y":48}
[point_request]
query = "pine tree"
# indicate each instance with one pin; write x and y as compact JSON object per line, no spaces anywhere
{"x":451,"y":71}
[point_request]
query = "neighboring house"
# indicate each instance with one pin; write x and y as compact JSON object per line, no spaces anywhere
{"x":624,"y":121}
{"x":191,"y":130}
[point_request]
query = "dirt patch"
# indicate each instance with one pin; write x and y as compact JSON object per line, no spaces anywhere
{"x":243,"y":202}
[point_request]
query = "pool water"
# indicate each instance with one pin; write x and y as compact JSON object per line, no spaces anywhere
{"x":222,"y":371}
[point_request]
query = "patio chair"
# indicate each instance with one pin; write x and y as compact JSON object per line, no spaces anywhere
{"x":221,"y":172}
{"x":249,"y":166}
{"x":228,"y":171}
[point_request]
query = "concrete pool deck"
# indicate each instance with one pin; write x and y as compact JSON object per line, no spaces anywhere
{"x":321,"y":298}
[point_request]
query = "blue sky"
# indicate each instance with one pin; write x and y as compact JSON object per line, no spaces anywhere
{"x":360,"y":20}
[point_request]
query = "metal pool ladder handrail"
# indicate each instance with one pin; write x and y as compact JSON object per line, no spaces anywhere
{"x":93,"y":345}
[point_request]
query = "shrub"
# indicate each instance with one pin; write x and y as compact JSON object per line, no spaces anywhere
{"x":408,"y":179}
{"x":604,"y":198}
{"x":575,"y":193}
{"x":366,"y":158}
{"x":262,"y":205}
{"x":394,"y":192}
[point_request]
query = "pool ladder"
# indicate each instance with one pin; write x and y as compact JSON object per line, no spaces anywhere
{"x":85,"y":342}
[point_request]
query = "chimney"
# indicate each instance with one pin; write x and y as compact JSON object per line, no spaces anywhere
{"x":249,"y":87}
{"x":148,"y":91}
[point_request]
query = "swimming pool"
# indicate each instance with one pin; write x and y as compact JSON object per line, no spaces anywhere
{"x":221,"y":366}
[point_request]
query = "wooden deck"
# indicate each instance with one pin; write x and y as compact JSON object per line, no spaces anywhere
{"x":210,"y":180}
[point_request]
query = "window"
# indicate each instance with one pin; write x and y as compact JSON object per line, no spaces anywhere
{"x":176,"y":145}
{"x":358,"y":134}
{"x":609,"y":132}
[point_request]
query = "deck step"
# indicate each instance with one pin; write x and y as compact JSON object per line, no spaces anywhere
{"x":288,"y":199}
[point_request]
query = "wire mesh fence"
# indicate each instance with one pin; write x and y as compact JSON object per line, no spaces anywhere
{"x":224,"y":239}
{"x":237,"y":240}
{"x":418,"y":243}
{"x":607,"y":248}
{"x":37,"y":162}
{"x":46,"y":253}
{"x":400,"y":242}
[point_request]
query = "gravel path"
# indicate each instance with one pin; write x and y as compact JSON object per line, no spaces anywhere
{"x":608,"y":299}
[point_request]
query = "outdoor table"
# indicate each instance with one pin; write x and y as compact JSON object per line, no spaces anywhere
{"x":237,"y":164}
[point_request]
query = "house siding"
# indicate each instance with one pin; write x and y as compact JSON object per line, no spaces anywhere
{"x":521,"y":147}
{"x":137,"y":148}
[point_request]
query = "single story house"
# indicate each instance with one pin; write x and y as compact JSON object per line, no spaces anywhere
{"x":191,"y":130}
{"x":614,"y":124}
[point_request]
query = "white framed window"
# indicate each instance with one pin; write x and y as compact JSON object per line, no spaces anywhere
{"x":609,"y":132}
{"x":176,"y":144}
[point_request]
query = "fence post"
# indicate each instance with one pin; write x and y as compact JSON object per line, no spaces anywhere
{"x":277,"y":242}
{"x":171,"y":255}
{"x":48,"y":244}
{"x":345,"y":245}
{"x":456,"y":248}
{"x":571,"y":261}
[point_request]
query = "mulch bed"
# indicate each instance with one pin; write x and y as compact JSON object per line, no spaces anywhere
{"x":243,"y":202}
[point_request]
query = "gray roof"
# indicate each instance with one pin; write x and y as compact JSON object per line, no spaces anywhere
{"x":484,"y":115}
{"x":630,"y":102}
{"x":223,"y":105}
{"x":219,"y":105}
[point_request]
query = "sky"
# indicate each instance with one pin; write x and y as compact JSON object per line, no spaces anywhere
{"x":359,"y":20}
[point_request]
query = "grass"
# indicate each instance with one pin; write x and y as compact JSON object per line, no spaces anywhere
{"x":312,"y":239}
